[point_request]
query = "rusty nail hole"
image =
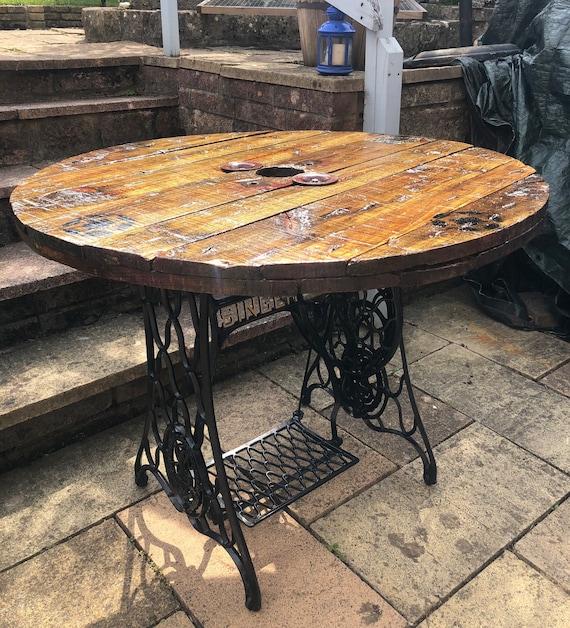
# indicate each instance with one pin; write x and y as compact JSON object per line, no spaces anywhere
{"x":250,"y":182}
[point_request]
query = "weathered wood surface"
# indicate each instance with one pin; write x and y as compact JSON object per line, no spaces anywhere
{"x":404,"y":211}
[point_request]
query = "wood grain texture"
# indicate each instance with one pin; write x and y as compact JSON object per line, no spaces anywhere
{"x":405,"y":210}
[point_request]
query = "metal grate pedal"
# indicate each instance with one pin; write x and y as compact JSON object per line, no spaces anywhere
{"x":277,"y":468}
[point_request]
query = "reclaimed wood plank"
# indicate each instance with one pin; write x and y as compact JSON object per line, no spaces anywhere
{"x":97,"y":215}
{"x":163,"y":213}
{"x":159,"y":238}
{"x":347,"y":225}
{"x":166,"y":183}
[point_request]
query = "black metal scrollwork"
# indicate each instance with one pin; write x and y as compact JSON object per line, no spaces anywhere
{"x":352,"y":338}
{"x":181,"y":461}
{"x":174,"y":434}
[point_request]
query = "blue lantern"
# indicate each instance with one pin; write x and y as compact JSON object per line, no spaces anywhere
{"x":335,"y":44}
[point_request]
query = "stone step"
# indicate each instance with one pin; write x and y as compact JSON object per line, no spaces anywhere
{"x":49,"y":131}
{"x":24,"y":272}
{"x":39,"y":297}
{"x":53,"y":80}
{"x":57,"y":389}
{"x":10,"y":177}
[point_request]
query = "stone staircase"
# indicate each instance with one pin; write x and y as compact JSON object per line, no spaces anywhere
{"x":72,"y":351}
{"x":51,"y":316}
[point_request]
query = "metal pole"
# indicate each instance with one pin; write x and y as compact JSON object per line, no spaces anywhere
{"x":170,"y":29}
{"x":465,"y":22}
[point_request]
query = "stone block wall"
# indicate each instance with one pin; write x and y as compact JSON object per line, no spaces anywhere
{"x":434,"y":104}
{"x":237,"y":91}
{"x":14,"y":17}
{"x":141,"y":23}
{"x":211,"y":102}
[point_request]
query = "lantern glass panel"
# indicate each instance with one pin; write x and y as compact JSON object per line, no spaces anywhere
{"x":335,"y":51}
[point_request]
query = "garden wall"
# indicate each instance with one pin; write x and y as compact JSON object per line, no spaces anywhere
{"x":13,"y":17}
{"x":247,"y":90}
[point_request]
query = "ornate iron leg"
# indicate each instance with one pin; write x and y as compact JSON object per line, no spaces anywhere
{"x":178,"y":434}
{"x":352,"y":338}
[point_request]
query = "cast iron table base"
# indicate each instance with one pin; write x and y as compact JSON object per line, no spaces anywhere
{"x":351,"y":338}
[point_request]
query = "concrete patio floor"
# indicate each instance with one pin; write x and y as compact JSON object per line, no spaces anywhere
{"x":488,"y":545}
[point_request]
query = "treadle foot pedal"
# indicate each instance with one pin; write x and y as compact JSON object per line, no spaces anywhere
{"x":273,"y":470}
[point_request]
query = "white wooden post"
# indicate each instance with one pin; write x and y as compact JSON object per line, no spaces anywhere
{"x":382,"y":84}
{"x":383,"y":63}
{"x":170,"y":29}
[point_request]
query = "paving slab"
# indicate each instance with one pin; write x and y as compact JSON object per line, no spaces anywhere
{"x":370,"y":468}
{"x":288,"y":373}
{"x":439,"y":419}
{"x":415,"y":544}
{"x":62,"y":493}
{"x":506,"y":594}
{"x":547,"y":546}
{"x":249,"y":405}
{"x":524,"y":411}
{"x":302,"y":583}
{"x":418,"y":343}
{"x":559,"y":379}
{"x":454,"y":315}
{"x":64,"y":45}
{"x":178,"y":620}
{"x":97,"y":578}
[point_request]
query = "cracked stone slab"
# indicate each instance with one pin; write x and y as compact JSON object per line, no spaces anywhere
{"x":547,"y":546}
{"x":64,"y":492}
{"x":97,"y":578}
{"x":249,"y":405}
{"x":453,"y":315}
{"x":507,"y":593}
{"x":415,"y":544}
{"x":528,"y":413}
{"x":301,"y":581}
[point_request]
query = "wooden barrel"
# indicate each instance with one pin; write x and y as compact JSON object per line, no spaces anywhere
{"x":310,"y":14}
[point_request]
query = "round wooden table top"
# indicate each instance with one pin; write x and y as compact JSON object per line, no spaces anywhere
{"x":281,"y":213}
